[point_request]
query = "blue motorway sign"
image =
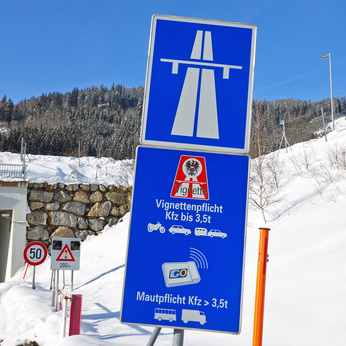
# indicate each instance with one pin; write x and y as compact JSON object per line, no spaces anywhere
{"x":185,"y":256}
{"x":198,"y":92}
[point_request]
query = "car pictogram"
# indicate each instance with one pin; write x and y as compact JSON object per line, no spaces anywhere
{"x":179,"y":229}
{"x":216,"y":233}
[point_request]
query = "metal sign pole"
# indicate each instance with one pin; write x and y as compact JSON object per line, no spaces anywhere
{"x":260,"y":286}
{"x":52,"y":287}
{"x":178,"y":337}
{"x":33,"y":277}
{"x":324,"y":125}
{"x":154,"y":336}
{"x":64,"y":316}
{"x":51,"y":280}
{"x":35,"y":254}
{"x":57,"y":291}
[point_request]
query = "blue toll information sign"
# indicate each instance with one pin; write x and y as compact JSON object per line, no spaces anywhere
{"x":185,"y":255}
{"x":198,"y":91}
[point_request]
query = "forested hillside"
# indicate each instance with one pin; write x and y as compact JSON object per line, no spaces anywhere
{"x":105,"y":121}
{"x":102,"y":121}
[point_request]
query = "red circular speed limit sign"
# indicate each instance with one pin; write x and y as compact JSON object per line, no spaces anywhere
{"x":35,"y":253}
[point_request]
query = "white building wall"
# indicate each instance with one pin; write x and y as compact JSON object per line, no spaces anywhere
{"x":13,"y":197}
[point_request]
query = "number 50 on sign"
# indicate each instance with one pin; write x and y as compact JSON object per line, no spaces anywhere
{"x":35,"y":253}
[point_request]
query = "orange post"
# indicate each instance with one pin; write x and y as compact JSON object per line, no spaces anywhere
{"x":26,"y":269}
{"x":260,"y":286}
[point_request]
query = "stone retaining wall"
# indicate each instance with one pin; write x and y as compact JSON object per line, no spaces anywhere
{"x":76,"y":210}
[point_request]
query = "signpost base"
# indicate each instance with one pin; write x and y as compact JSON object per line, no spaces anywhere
{"x":154,"y":336}
{"x":178,"y":337}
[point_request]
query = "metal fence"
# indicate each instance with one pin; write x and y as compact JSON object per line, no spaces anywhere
{"x":12,"y":170}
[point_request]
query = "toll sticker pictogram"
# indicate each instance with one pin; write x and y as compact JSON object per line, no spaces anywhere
{"x":65,"y":255}
{"x":191,"y":178}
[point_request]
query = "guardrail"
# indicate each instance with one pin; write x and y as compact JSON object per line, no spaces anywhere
{"x":12,"y":170}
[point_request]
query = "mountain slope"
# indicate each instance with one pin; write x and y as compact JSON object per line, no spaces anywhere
{"x":306,"y":280}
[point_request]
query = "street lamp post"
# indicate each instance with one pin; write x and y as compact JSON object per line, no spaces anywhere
{"x":323,"y":56}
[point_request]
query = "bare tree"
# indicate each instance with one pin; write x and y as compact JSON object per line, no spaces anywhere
{"x":266,"y":170}
{"x":337,"y":157}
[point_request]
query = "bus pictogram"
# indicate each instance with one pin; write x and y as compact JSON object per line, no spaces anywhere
{"x":165,"y":314}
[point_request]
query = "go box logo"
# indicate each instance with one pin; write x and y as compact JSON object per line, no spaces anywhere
{"x":178,"y":273}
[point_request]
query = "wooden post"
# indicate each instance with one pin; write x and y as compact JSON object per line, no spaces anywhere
{"x":260,"y":286}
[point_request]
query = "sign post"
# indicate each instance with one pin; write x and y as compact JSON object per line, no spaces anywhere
{"x":263,"y":258}
{"x":65,"y":256}
{"x":198,"y":90}
{"x":185,"y":257}
{"x":186,"y":274}
{"x":35,"y":254}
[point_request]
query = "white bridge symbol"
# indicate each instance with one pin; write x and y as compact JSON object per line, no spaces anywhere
{"x":207,"y":123}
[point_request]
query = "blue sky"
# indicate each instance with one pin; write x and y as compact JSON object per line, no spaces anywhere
{"x":52,"y":46}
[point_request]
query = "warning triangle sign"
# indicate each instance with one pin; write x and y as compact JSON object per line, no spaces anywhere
{"x":65,"y":255}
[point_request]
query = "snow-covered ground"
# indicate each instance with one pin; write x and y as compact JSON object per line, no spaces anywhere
{"x":306,"y":277}
{"x":72,"y":170}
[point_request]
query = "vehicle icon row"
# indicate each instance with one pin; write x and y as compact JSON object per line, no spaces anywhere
{"x":199,"y":231}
